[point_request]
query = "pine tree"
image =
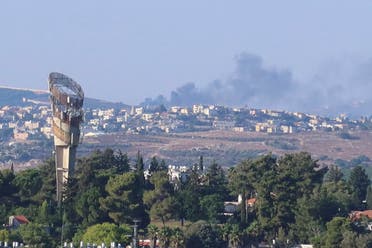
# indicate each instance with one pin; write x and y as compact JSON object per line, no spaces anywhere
{"x":369,"y":197}
{"x":154,"y":165}
{"x":334,"y":174}
{"x":359,"y":182}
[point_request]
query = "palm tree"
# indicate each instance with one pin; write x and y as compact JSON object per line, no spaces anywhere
{"x":234,"y":237}
{"x":225,"y":231}
{"x":178,"y":238}
{"x":165,"y":234}
{"x":153,"y":231}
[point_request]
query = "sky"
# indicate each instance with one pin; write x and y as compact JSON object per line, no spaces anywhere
{"x":298,"y":55}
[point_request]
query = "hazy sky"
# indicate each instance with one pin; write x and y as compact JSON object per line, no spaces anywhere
{"x":128,"y":50}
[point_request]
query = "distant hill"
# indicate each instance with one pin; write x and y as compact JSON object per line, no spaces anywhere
{"x":22,"y":97}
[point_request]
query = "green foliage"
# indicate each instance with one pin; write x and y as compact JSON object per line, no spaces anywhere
{"x":4,"y":235}
{"x":160,"y":201}
{"x":124,"y":200}
{"x":359,"y":182}
{"x":283,"y":144}
{"x":7,"y":188}
{"x":349,"y":239}
{"x":177,"y":238}
{"x":216,"y":181}
{"x":3,"y":213}
{"x":163,"y":210}
{"x":295,"y":201}
{"x":334,"y":174}
{"x":203,"y":235}
{"x":152,"y":232}
{"x":87,"y":206}
{"x":241,"y":179}
{"x":212,"y":206}
{"x":35,"y":235}
{"x":154,"y":165}
{"x":47,"y":190}
{"x":106,"y":233}
{"x":335,"y":228}
{"x":369,"y":197}
{"x":364,"y":240}
{"x":139,"y":163}
{"x":164,"y":236}
{"x":29,"y":183}
{"x":278,"y":184}
{"x":188,"y":205}
{"x":235,"y":238}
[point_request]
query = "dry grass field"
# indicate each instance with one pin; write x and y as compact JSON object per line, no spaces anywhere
{"x":230,"y":147}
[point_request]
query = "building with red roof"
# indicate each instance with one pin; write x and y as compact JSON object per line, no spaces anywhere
{"x":16,"y":220}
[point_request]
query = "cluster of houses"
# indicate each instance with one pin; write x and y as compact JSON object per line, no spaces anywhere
{"x":22,"y":123}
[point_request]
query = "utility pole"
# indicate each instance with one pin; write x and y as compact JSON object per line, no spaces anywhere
{"x":135,"y":233}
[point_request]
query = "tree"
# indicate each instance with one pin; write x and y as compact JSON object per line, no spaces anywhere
{"x":139,"y":163}
{"x":334,"y":174}
{"x":121,"y":163}
{"x":188,"y":205}
{"x":28,"y":183}
{"x":201,"y":163}
{"x":235,"y":236}
{"x":160,"y":201}
{"x":48,"y":189}
{"x":163,"y":210}
{"x":3,"y":214}
{"x":124,"y":201}
{"x":107,"y":233}
{"x":45,"y":216}
{"x":162,"y":166}
{"x":241,"y":183}
{"x":153,"y":232}
{"x":364,"y":240}
{"x":295,"y":176}
{"x":307,"y":224}
{"x":87,"y":206}
{"x":203,"y":235}
{"x":216,"y":181}
{"x":154,"y":165}
{"x":35,"y":235}
{"x":359,"y":182}
{"x":349,"y":240}
{"x":212,"y":206}
{"x":4,"y":235}
{"x":369,"y":197}
{"x":277,"y":184}
{"x":7,"y":188}
{"x":177,"y":238}
{"x":165,"y":234}
{"x":335,"y":228}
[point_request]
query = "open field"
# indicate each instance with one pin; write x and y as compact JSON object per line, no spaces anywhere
{"x":226,"y":147}
{"x":229,"y":148}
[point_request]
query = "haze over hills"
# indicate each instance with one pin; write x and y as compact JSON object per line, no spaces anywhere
{"x":21,"y":97}
{"x":342,"y":88}
{"x":189,"y":94}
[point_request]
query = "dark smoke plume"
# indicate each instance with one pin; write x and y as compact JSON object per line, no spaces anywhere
{"x":338,"y":88}
{"x":251,"y":84}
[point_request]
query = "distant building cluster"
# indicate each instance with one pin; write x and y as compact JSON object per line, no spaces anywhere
{"x":35,"y":120}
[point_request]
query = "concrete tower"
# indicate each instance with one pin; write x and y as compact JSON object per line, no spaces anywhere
{"x":67,"y":99}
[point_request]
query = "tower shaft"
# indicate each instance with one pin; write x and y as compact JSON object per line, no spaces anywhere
{"x":67,"y":100}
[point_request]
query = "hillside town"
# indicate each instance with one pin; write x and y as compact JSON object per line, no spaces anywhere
{"x":34,"y":121}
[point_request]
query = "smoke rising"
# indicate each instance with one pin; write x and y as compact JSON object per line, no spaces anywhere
{"x":250,"y":84}
{"x":338,"y":87}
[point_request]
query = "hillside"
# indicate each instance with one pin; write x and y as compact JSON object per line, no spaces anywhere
{"x":22,"y":97}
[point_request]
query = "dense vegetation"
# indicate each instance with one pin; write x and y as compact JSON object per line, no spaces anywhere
{"x":296,"y":202}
